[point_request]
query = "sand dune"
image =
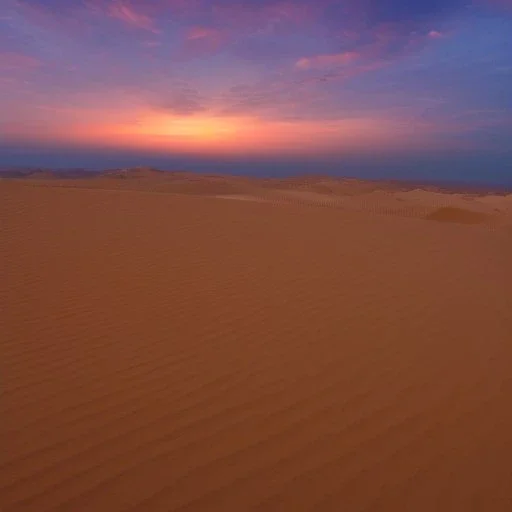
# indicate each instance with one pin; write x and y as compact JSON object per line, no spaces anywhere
{"x":302,"y":346}
{"x":382,"y":198}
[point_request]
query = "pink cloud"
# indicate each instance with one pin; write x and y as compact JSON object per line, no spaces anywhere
{"x":288,"y":12}
{"x":11,"y":60}
{"x":263,"y":17}
{"x":387,"y":44}
{"x":346,"y":73}
{"x":201,"y":40}
{"x":434,"y":34}
{"x":151,"y":44}
{"x":323,"y":61}
{"x":196,"y":33}
{"x":122,"y":11}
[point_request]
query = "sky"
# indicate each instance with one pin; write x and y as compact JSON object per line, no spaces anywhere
{"x":370,"y":88}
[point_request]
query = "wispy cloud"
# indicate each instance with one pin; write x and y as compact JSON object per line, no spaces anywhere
{"x":265,"y":16}
{"x":435,"y":34}
{"x":203,"y":33}
{"x":295,"y":61}
{"x":151,"y":44}
{"x":123,"y":11}
{"x":12,"y":60}
{"x":202,"y":41}
{"x":182,"y":100}
{"x":322,"y":61}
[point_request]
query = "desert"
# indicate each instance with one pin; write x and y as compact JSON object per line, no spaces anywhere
{"x":186,"y":342}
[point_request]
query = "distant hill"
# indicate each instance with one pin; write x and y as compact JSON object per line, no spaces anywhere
{"x":134,"y":173}
{"x":229,"y":183}
{"x":42,"y":175}
{"x":16,"y":172}
{"x":38,"y":173}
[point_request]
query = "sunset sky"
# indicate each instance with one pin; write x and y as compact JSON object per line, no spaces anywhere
{"x":391,"y":88}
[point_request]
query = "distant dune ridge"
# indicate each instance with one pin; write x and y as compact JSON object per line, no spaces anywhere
{"x":465,"y":205}
{"x":182,"y":342}
{"x":134,"y":173}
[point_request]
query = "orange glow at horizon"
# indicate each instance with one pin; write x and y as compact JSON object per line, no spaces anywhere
{"x":251,"y":135}
{"x":123,"y":127}
{"x":198,"y":129}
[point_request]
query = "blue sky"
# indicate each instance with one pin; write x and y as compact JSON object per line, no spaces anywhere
{"x":389,"y":88}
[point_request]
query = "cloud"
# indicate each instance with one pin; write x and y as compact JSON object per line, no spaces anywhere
{"x":196,"y":33}
{"x":245,"y":17}
{"x":281,"y":98}
{"x":387,"y":27}
{"x":265,"y":17}
{"x":121,"y":10}
{"x":201,"y":40}
{"x":310,"y":43}
{"x":382,"y":46}
{"x":151,"y":44}
{"x":434,"y":34}
{"x":14,"y":61}
{"x":322,"y":61}
{"x":184,"y":101}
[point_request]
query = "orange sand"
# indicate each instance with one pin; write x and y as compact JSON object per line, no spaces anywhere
{"x":299,"y":347}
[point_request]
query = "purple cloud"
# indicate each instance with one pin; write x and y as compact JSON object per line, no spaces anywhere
{"x":16,"y":61}
{"x":182,"y":100}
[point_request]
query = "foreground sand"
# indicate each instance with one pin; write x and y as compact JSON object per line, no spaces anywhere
{"x":181,"y":351}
